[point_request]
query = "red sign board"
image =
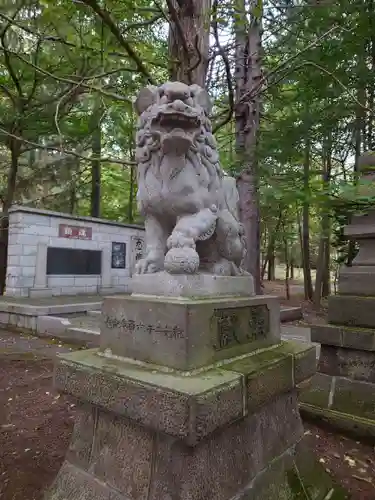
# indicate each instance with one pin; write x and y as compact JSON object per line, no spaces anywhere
{"x":75,"y":232}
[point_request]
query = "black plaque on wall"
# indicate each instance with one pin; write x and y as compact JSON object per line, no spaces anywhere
{"x":73,"y":261}
{"x":118,"y":255}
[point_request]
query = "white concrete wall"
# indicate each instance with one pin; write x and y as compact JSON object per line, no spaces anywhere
{"x":31,"y":231}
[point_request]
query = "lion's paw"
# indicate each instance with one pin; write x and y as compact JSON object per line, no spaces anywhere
{"x":147,"y":266}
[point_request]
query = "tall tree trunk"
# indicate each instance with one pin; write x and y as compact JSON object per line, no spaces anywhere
{"x":322,"y":269}
{"x":291,"y":268}
{"x":269,"y":262}
{"x":371,"y":82}
{"x":74,"y":174}
{"x":96,"y":147}
{"x":248,"y":103}
{"x":131,"y":195}
{"x":326,"y":285}
{"x":189,"y":32}
{"x":15,"y":149}
{"x":286,"y":258}
{"x":306,"y":260}
{"x":271,"y":275}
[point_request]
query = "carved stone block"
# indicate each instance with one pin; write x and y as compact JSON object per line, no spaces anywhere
{"x":187,"y":334}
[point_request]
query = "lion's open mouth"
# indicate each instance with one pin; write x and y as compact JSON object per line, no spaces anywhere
{"x":175,"y":119}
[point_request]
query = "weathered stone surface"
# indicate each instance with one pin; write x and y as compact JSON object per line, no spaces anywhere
{"x":294,"y":474}
{"x":217,"y":408}
{"x":354,"y":397}
{"x":220,"y":467}
{"x":80,"y":447}
{"x":350,"y":337}
{"x":354,"y":364}
{"x":179,"y":405}
{"x":122,"y":455}
{"x":344,"y":422}
{"x":74,"y":484}
{"x":326,"y":334}
{"x":190,"y":208}
{"x":348,"y":398}
{"x":318,"y":391}
{"x":358,"y":338}
{"x":258,"y":457}
{"x":191,"y":334}
{"x":357,"y":280}
{"x":304,"y":359}
{"x":266,"y":375}
{"x":351,"y":310}
{"x":272,"y":482}
{"x":163,"y":284}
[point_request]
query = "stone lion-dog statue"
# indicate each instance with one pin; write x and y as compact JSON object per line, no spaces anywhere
{"x":190,"y":206}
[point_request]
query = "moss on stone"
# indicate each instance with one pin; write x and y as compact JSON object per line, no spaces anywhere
{"x":350,"y":424}
{"x":351,"y":400}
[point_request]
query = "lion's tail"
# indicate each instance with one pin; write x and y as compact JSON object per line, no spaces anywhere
{"x":231,"y":196}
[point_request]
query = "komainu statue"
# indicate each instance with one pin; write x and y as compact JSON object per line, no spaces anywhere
{"x":190,"y":206}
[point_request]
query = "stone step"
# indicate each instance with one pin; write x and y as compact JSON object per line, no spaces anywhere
{"x":87,"y":321}
{"x":300,"y":334}
{"x":290,"y":314}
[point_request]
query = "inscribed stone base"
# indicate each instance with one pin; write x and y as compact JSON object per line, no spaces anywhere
{"x":164,"y":284}
{"x":187,"y":334}
{"x":229,"y":433}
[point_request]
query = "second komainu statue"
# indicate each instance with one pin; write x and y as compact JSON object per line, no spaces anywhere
{"x":190,"y":206}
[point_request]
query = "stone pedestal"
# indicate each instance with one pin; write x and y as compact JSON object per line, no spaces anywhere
{"x":343,"y":390}
{"x":191,"y":399}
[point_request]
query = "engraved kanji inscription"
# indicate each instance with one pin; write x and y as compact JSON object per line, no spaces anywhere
{"x":259,"y":322}
{"x":171,"y":332}
{"x":240,"y":325}
{"x":227,"y":326}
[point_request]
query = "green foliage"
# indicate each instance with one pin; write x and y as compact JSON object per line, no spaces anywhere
{"x":65,"y":73}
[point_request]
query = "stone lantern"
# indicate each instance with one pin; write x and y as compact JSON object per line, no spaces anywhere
{"x":343,"y":390}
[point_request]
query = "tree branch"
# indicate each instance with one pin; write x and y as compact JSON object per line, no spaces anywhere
{"x":225,"y":58}
{"x":63,"y":150}
{"x":107,"y":19}
{"x":9,"y":67}
{"x":73,"y":82}
{"x":252,"y":93}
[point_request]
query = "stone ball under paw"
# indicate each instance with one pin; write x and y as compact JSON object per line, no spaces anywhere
{"x":181,"y":261}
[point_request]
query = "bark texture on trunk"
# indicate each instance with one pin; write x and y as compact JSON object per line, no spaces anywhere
{"x":15,"y":151}
{"x":248,"y":103}
{"x":305,"y":230}
{"x":189,"y":34}
{"x":96,"y":148}
{"x":322,"y":281}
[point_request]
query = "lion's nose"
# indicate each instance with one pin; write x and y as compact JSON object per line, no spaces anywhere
{"x":179,"y":105}
{"x":177,"y":95}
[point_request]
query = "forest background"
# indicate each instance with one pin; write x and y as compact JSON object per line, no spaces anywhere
{"x":293,"y":91}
